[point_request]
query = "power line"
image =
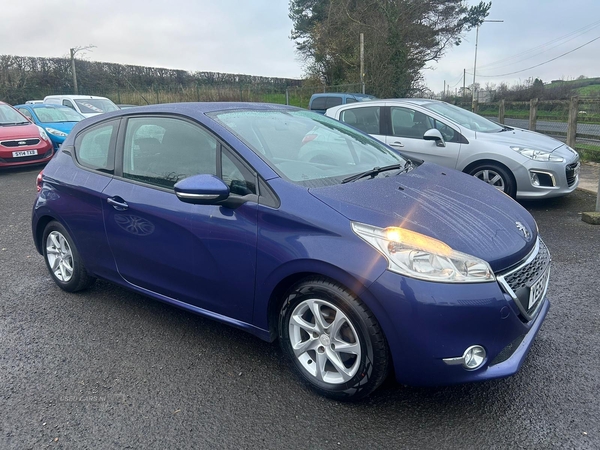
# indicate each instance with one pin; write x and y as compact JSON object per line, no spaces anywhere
{"x":541,"y":64}
{"x":540,"y":48}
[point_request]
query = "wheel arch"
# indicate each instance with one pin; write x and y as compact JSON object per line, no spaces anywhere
{"x":276,"y":297}
{"x":38,"y":234}
{"x":495,"y":162}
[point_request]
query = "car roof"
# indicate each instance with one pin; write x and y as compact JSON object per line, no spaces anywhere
{"x":195,"y":109}
{"x":73,"y":97}
{"x":41,"y":106}
{"x":340,"y":94}
{"x":381,"y":101}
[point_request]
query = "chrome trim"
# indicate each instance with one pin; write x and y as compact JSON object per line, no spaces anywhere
{"x":550,"y":174}
{"x":197,"y":196}
{"x":461,"y":360}
{"x":454,"y":361}
{"x":545,"y":276}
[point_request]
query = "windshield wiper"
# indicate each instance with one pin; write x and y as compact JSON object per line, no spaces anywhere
{"x":377,"y":170}
{"x":13,"y":123}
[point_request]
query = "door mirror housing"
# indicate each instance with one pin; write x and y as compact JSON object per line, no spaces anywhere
{"x":435,"y":135}
{"x":202,"y":189}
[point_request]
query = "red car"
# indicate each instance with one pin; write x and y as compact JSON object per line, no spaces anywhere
{"x":21,"y":142}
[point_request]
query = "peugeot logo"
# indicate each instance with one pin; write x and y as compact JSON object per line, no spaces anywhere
{"x":525,"y":231}
{"x":22,"y":142}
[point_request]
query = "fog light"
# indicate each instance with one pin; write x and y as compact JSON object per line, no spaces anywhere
{"x":535,"y":180}
{"x":474,"y":357}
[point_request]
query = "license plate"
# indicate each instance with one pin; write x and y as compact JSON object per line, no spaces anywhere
{"x":24,"y":153}
{"x":538,"y":289}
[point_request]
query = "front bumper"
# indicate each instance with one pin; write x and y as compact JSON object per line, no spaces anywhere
{"x":427,"y":322}
{"x":556,"y":179}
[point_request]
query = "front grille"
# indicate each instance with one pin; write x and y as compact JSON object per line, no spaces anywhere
{"x":527,"y":283}
{"x":20,"y":142}
{"x":571,"y":173}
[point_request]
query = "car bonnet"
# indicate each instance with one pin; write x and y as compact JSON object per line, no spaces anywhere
{"x":460,"y":210}
{"x":19,"y":132}
{"x":517,"y":137}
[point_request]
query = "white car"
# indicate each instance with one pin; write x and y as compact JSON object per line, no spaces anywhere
{"x":521,"y":163}
{"x":86,"y":105}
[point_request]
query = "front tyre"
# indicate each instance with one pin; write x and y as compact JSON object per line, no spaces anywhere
{"x":497,"y":176}
{"x":63,"y":260}
{"x":332,"y":340}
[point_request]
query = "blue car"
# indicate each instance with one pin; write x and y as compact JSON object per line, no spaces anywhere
{"x":295,"y":227}
{"x":56,"y":120}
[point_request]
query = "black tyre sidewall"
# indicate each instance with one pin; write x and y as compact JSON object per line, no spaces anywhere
{"x":365,"y":381}
{"x":80,"y":278}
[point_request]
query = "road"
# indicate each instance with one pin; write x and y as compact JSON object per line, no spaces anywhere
{"x":590,"y":130}
{"x":109,"y":369}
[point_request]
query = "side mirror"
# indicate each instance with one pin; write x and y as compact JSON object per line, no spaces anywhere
{"x":201,"y":190}
{"x":435,"y":135}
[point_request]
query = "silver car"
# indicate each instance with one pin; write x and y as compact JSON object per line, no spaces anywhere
{"x":521,"y":163}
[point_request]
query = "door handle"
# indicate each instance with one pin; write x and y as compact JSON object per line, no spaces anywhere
{"x":397,"y":144}
{"x":118,"y":203}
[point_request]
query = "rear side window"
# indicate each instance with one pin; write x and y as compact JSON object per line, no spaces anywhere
{"x":94,"y":147}
{"x":325,"y":102}
{"x":366,"y":118}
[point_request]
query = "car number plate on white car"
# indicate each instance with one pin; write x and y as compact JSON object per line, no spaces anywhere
{"x":24,"y":153}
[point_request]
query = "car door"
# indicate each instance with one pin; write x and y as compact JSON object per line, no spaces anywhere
{"x":203,"y":255}
{"x":405,"y":132}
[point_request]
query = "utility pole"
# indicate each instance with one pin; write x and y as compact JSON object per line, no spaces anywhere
{"x":475,"y":64}
{"x":362,"y":62}
{"x":73,"y":51}
{"x":464,"y":83}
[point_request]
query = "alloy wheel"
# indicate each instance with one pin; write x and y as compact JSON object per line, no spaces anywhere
{"x":324,"y":341}
{"x":60,"y":256}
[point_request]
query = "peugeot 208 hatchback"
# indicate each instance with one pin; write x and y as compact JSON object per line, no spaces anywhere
{"x":357,"y":259}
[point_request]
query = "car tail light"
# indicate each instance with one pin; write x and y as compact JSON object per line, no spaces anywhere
{"x":38,"y":181}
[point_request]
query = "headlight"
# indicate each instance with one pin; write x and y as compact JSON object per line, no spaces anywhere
{"x":43,"y":134}
{"x":538,"y":155}
{"x":56,"y":132}
{"x":418,"y":256}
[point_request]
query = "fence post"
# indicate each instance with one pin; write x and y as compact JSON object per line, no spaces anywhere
{"x":475,"y":106}
{"x":501,"y":112}
{"x":533,"y":106}
{"x":572,"y":122}
{"x":287,"y":95}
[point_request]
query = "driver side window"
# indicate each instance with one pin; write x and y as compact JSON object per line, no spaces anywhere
{"x":409,"y":123}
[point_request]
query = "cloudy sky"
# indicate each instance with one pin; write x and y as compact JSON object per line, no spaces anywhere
{"x":252,"y":37}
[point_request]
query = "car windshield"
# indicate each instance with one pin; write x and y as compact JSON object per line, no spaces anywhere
{"x":95,"y":105}
{"x":54,"y":115}
{"x":464,"y":118}
{"x":308,"y":148}
{"x":9,"y":116}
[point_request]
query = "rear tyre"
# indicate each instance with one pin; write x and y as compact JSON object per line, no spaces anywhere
{"x":333,"y":342}
{"x":63,"y":260}
{"x":497,"y":176}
